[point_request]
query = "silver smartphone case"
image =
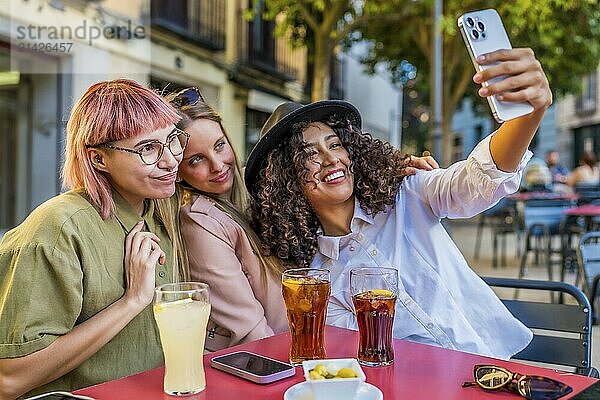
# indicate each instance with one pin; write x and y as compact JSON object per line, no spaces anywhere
{"x":483,"y":32}
{"x":249,"y":375}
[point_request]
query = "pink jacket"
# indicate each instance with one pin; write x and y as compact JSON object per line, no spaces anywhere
{"x":219,"y":253}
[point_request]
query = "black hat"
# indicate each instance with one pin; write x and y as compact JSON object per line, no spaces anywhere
{"x":279,"y":128}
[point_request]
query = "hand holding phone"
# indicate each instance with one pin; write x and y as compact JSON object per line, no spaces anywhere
{"x":483,"y":33}
{"x":254,"y":367}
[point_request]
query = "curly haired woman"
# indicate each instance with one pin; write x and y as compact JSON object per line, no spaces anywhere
{"x":327,"y":195}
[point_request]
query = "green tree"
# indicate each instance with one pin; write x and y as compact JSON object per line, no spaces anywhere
{"x":323,"y":25}
{"x":565,"y":35}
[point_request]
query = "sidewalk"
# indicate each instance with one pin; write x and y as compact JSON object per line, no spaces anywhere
{"x":464,"y":232}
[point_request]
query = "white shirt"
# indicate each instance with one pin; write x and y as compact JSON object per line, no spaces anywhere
{"x":441,"y":300}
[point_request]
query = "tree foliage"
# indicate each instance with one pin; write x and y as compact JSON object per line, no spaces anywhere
{"x":323,"y":25}
{"x":565,"y":35}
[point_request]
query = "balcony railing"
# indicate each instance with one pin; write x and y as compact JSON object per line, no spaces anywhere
{"x":200,"y":21}
{"x":587,"y":102}
{"x":258,"y":49}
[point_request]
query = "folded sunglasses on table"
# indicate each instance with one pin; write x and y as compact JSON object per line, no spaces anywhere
{"x":491,"y":377}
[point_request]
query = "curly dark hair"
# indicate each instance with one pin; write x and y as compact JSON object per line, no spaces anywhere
{"x":282,"y":215}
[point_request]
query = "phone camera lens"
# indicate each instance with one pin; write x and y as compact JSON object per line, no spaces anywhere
{"x":480,"y":26}
{"x":470,"y":21}
{"x":475,"y":34}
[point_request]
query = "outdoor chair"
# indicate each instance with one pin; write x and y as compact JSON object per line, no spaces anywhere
{"x":588,"y":197}
{"x":587,"y":193}
{"x":589,"y":265}
{"x":562,"y":333}
{"x":503,"y":220}
{"x":543,"y":221}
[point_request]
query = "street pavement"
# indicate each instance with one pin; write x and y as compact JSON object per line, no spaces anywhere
{"x":464,"y":232}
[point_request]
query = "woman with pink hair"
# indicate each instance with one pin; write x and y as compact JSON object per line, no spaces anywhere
{"x":78,"y":275}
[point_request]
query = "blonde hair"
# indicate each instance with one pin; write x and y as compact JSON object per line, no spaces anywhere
{"x":110,"y":111}
{"x":238,"y":207}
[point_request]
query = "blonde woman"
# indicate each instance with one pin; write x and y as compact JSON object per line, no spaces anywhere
{"x":78,"y":275}
{"x":222,"y":248}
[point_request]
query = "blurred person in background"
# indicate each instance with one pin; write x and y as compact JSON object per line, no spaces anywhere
{"x":536,"y":177}
{"x":588,"y":173}
{"x":559,"y":172}
{"x":78,"y":275}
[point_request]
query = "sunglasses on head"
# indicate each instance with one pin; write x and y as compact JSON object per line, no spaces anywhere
{"x":491,"y":377}
{"x":187,"y":97}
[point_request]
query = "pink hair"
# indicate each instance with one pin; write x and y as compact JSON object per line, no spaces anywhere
{"x":109,"y":111}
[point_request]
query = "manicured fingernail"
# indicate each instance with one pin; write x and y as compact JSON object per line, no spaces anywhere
{"x":500,"y":97}
{"x":483,"y":91}
{"x":477,"y":78}
{"x":140,"y":222}
{"x":481,"y":58}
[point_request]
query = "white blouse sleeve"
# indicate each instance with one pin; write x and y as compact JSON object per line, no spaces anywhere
{"x":467,"y":187}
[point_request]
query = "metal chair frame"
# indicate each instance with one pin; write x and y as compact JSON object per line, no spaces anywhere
{"x":543,"y":220}
{"x":550,"y":344}
{"x":588,"y":256}
{"x":503,"y":220}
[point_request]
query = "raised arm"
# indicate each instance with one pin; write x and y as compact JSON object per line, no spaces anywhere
{"x":526,"y":81}
{"x":493,"y":169}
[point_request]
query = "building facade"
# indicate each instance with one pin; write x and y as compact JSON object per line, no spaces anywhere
{"x":237,"y":64}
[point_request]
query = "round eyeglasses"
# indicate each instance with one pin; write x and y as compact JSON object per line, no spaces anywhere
{"x":150,"y":152}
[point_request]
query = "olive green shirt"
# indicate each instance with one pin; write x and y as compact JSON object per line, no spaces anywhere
{"x":63,"y":265}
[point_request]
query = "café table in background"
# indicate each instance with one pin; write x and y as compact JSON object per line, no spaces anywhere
{"x":526,"y":196}
{"x":588,"y":211}
{"x":419,"y":372}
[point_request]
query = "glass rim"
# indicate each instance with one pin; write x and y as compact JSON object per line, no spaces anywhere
{"x":297,"y":271}
{"x":199,"y":286}
{"x":372,"y":270}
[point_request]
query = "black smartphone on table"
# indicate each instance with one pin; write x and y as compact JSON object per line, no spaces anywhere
{"x":253,"y":367}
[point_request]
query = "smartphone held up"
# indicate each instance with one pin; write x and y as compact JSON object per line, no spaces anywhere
{"x":483,"y":32}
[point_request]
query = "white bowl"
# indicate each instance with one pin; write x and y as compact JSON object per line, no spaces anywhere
{"x":334,"y":389}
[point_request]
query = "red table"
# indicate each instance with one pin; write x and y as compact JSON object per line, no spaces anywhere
{"x":419,"y":372}
{"x":588,"y":210}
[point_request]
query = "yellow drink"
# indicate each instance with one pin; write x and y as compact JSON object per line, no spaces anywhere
{"x":182,"y":326}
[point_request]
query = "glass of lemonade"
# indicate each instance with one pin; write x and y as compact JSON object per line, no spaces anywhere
{"x":306,"y":294}
{"x":374,"y":292}
{"x":181,"y":311}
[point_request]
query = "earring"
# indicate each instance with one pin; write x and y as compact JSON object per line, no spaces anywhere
{"x":178,"y":179}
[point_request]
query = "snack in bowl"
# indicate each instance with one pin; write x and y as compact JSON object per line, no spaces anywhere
{"x":320,"y":372}
{"x":333,"y":379}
